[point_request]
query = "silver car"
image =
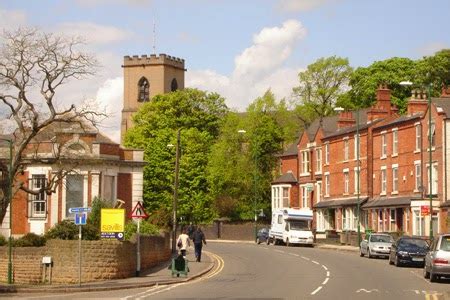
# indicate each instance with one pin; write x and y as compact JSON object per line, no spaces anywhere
{"x":437,"y":260}
{"x":377,"y":244}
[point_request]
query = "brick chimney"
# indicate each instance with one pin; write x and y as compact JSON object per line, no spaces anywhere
{"x":345,"y":119}
{"x":418,"y":102}
{"x":382,"y":108}
{"x":445,"y":92}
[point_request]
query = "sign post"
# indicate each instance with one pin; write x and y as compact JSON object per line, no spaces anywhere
{"x":80,"y":219}
{"x":138,"y":213}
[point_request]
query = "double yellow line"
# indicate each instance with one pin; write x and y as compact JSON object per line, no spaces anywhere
{"x":217,"y":267}
{"x":435,"y":296}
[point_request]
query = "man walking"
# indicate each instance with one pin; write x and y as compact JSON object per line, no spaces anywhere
{"x":199,"y":239}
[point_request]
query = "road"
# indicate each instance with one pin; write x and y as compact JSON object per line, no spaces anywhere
{"x":278,"y":272}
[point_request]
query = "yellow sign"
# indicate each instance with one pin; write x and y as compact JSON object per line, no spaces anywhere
{"x":112,"y":220}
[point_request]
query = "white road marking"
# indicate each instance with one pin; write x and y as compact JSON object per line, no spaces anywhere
{"x":325,"y":267}
{"x":265,"y":248}
{"x":293,"y":254}
{"x":316,"y":290}
{"x":325,"y":281}
{"x":367,"y":291}
{"x":305,"y":258}
{"x":315,"y":262}
{"x":328,"y":273}
{"x":279,"y":251}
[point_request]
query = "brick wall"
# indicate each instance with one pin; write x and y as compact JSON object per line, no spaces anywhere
{"x":101,"y":260}
{"x":229,"y":231}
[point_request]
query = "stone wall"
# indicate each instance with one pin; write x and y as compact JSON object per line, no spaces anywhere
{"x":232,"y":231}
{"x":101,"y":260}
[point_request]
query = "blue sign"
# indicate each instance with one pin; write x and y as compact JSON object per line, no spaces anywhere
{"x":73,"y":210}
{"x":80,"y":218}
{"x":112,"y":235}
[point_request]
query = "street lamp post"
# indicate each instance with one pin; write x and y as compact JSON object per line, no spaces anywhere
{"x":175,"y":192}
{"x":9,"y":195}
{"x":430,"y":153}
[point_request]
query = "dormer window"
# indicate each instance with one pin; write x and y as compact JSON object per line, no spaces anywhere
{"x":144,"y":88}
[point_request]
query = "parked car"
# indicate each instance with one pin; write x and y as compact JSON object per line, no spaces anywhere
{"x":408,"y":251}
{"x":437,"y":260}
{"x":262,"y":236}
{"x":376,"y":244}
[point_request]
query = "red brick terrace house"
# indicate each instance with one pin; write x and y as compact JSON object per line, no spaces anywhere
{"x":101,"y":168}
{"x":393,"y":168}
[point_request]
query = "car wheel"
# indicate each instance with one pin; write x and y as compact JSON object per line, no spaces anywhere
{"x":369,"y":255}
{"x":361,"y":253}
{"x":287,"y":242}
{"x":426,"y":274}
{"x":390,"y":261}
{"x":396,"y":262}
{"x":258,"y":241}
{"x":433,"y":277}
{"x":268,"y":241}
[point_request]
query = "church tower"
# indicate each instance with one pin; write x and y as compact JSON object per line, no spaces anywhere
{"x":145,"y":77}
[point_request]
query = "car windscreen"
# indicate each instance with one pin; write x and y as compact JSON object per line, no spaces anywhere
{"x":445,"y":243}
{"x":299,"y":225}
{"x":413,"y":243}
{"x":381,"y":239}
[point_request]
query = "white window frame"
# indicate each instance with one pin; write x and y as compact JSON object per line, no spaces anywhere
{"x":380,"y":218}
{"x":383,"y":178}
{"x":305,"y":194}
{"x":433,"y":136}
{"x":327,"y":184}
{"x":346,"y":150}
{"x":318,"y":161}
{"x":327,"y":153}
{"x":357,"y":184}
{"x":435,"y":179}
{"x":394,"y":179}
{"x":394,"y":142}
{"x":36,"y":181}
{"x":318,"y":192}
{"x":392,"y":221}
{"x":346,"y":181}
{"x":356,"y":140}
{"x":418,"y":127}
{"x":305,"y":162}
{"x":383,"y":145}
{"x":417,"y":175}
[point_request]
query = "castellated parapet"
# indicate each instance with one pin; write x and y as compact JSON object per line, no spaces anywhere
{"x":153,"y":59}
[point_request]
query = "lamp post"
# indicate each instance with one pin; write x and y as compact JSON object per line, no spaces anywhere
{"x":430,"y":157}
{"x":175,"y":192}
{"x":358,"y":207}
{"x":9,"y":195}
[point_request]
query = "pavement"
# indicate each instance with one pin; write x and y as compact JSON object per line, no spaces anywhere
{"x":158,"y":275}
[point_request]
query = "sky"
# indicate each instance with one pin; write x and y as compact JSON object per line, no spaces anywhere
{"x":238,"y":48}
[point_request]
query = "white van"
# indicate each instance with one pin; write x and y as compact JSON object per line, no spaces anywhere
{"x":291,"y":226}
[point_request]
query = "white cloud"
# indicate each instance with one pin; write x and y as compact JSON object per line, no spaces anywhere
{"x":293,"y":6}
{"x":257,"y":69}
{"x":12,"y":19}
{"x":110,"y":99}
{"x":95,"y":33}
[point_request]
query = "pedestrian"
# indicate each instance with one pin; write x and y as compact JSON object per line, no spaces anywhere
{"x":190,"y":230}
{"x":183,"y":242}
{"x":199,"y":239}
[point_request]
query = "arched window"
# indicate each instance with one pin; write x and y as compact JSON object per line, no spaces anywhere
{"x":144,"y":88}
{"x":174,"y":85}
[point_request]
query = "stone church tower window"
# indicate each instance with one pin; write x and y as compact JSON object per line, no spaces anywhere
{"x":144,"y":88}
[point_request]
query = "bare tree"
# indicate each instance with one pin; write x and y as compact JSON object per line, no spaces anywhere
{"x":33,"y":66}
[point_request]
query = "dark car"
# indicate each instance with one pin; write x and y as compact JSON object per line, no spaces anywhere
{"x":408,"y":251}
{"x":262,"y":235}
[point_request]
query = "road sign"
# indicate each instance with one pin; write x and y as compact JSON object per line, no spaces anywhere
{"x":138,"y":211}
{"x":80,"y":218}
{"x":74,"y":210}
{"x":424,"y":210}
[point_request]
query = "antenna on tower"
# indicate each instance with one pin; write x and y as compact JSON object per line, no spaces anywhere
{"x":154,"y":37}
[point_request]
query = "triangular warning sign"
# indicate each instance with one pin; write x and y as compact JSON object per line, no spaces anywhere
{"x":138,"y":211}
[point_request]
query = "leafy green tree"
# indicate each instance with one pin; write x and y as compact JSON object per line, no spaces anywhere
{"x":240,"y":165}
{"x":198,"y":115}
{"x":434,"y":70}
{"x":321,"y":86}
{"x":364,"y":82}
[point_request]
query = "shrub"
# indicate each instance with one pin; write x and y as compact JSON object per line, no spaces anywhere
{"x":3,"y":240}
{"x":95,"y":214}
{"x":64,"y":230}
{"x":30,"y":240}
{"x":90,"y":232}
{"x":146,"y":228}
